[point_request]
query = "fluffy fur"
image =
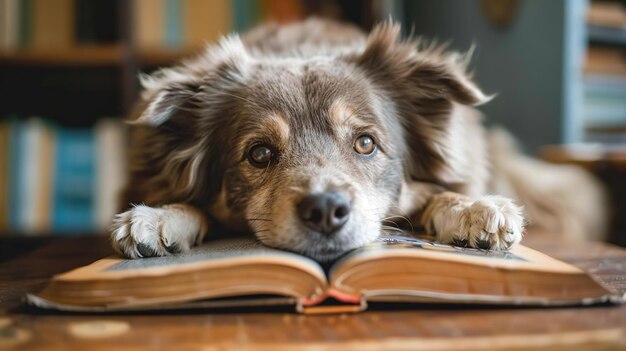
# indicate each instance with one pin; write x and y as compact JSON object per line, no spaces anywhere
{"x":308,"y":90}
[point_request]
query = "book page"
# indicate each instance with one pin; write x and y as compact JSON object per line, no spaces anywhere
{"x":227,"y":268}
{"x":403,"y":244}
{"x":400,"y":267}
{"x":217,"y":253}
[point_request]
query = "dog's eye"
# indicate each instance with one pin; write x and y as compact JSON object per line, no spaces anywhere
{"x":364,"y":145}
{"x":260,"y":155}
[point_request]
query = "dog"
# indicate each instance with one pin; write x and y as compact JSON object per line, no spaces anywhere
{"x":313,"y":137}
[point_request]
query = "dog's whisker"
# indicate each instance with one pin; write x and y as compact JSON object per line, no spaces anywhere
{"x":406,"y":219}
{"x":297,"y":190}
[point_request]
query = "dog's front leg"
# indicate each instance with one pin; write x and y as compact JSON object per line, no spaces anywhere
{"x":145,"y":231}
{"x":491,"y":222}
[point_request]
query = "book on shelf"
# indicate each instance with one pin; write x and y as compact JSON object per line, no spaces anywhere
{"x":74,"y":172}
{"x":282,"y":11}
{"x":181,"y":23}
{"x":4,"y":175}
{"x":149,"y":22}
{"x":35,"y":176}
{"x":58,"y":179}
{"x":607,"y":14}
{"x":9,"y":24}
{"x":53,"y":24}
{"x":110,"y":172}
{"x":15,"y":154}
{"x":604,"y":104}
{"x":154,"y":25}
{"x":205,"y":21}
{"x":605,"y":61}
{"x":398,"y":268}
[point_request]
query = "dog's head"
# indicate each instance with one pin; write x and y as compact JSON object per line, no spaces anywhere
{"x":309,"y":152}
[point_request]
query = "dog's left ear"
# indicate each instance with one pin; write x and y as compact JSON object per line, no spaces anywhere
{"x":425,"y":83}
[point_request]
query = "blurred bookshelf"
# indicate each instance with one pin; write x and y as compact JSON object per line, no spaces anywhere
{"x":557,"y":69}
{"x":603,"y":151}
{"x":604,"y":73}
{"x":69,"y":73}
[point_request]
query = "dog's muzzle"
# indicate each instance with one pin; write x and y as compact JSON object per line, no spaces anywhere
{"x":324,"y":212}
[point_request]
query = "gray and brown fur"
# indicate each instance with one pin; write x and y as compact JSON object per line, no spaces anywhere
{"x":309,"y":90}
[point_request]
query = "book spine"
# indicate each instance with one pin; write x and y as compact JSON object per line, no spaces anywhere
{"x":110,"y":169}
{"x":282,"y":11}
{"x":73,"y":181}
{"x":4,"y":25}
{"x":352,"y":303}
{"x":43,"y":209}
{"x":25,"y":23}
{"x":53,"y":23}
{"x":173,"y":23}
{"x":245,"y":14}
{"x":4,"y":174}
{"x":15,"y":179}
{"x":149,"y":20}
{"x":30,"y":171}
{"x":13,"y":26}
{"x":205,"y":21}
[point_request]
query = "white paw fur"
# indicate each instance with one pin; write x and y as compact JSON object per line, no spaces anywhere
{"x":491,"y":222}
{"x":147,"y":231}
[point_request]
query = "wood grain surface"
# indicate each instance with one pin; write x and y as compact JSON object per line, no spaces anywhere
{"x":420,"y":327}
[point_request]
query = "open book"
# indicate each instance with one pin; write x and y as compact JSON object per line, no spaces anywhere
{"x":396,"y":268}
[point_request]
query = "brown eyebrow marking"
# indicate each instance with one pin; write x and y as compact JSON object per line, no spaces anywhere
{"x":344,"y":118}
{"x":277,"y":124}
{"x":340,"y":113}
{"x":272,"y":128}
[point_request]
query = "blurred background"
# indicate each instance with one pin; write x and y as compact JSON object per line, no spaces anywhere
{"x":68,"y":76}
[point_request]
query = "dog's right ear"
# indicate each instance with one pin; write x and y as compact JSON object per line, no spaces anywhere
{"x":181,"y":121}
{"x":192,"y":85}
{"x":162,"y":103}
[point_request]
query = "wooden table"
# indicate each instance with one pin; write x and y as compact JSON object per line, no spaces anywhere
{"x":425,"y":328}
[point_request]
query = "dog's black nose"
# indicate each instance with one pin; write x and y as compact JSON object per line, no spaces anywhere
{"x":324,"y":212}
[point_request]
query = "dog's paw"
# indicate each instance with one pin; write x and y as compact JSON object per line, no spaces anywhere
{"x":492,"y":222}
{"x":146,"y":231}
